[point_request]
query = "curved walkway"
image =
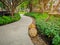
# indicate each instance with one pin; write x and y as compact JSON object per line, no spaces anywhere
{"x":16,"y":33}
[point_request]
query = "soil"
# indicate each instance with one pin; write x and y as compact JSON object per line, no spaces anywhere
{"x":39,"y":41}
{"x":46,"y":39}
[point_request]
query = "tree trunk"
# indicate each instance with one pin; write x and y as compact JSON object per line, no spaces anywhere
{"x":41,"y":3}
{"x":30,"y":6}
{"x":12,"y":12}
{"x":43,"y":7}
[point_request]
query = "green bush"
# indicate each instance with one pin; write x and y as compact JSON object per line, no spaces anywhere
{"x":51,"y":28}
{"x":32,"y":14}
{"x":56,"y":40}
{"x":9,"y":19}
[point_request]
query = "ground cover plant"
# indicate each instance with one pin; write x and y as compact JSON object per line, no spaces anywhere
{"x":8,"y":19}
{"x":51,"y":28}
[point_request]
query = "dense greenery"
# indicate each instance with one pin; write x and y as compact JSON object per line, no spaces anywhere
{"x":51,"y":28}
{"x":9,"y":19}
{"x":1,"y":5}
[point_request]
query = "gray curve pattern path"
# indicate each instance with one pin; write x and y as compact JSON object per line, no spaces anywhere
{"x":16,"y":33}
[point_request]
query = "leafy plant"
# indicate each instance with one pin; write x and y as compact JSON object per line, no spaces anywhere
{"x":56,"y":40}
{"x":9,"y":19}
{"x":51,"y":28}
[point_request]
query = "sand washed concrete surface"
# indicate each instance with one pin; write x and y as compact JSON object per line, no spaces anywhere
{"x":16,"y":33}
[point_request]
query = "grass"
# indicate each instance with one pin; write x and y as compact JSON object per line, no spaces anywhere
{"x":22,"y":12}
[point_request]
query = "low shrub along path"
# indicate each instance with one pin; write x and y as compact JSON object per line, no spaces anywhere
{"x":16,"y":33}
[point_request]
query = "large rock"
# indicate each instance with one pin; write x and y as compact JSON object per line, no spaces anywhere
{"x":32,"y":26}
{"x":32,"y":32}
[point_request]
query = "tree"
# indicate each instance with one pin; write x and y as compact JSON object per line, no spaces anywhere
{"x":30,"y":5}
{"x":1,"y":6}
{"x":42,"y":4}
{"x":11,"y":5}
{"x":51,"y":9}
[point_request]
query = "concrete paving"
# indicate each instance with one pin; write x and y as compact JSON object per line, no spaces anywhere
{"x":16,"y":33}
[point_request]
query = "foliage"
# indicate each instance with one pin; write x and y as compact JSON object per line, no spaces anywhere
{"x":22,"y":6}
{"x":1,"y":5}
{"x":9,"y":19}
{"x":22,"y":12}
{"x":56,"y":40}
{"x":32,"y":14}
{"x":50,"y":28}
{"x":11,"y":5}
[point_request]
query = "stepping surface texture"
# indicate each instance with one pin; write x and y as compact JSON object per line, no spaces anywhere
{"x":16,"y":33}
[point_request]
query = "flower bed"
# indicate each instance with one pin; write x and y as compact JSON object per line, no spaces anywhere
{"x":51,"y":28}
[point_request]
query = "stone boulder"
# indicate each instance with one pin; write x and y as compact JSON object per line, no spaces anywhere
{"x":32,"y":32}
{"x":32,"y":26}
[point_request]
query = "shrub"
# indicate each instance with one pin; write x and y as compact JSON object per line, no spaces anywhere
{"x":56,"y":40}
{"x":9,"y":19}
{"x":51,"y":28}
